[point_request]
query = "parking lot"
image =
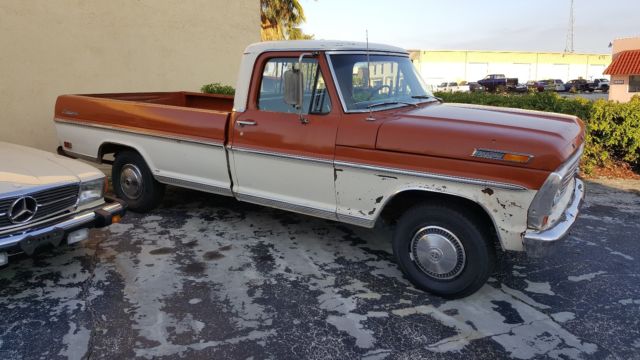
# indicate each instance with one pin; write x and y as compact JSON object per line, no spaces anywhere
{"x":207,"y":277}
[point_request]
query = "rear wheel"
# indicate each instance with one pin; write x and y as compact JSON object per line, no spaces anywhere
{"x":443,"y":250}
{"x":134,"y":183}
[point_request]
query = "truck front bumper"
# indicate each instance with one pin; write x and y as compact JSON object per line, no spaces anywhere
{"x":540,"y":243}
{"x":70,"y":229}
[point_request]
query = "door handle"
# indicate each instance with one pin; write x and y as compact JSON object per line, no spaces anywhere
{"x":246,"y":123}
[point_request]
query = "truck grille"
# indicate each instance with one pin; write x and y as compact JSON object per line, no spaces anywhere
{"x":50,"y":202}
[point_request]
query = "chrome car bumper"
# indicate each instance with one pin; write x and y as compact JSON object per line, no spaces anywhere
{"x":28,"y":241}
{"x":539,"y":243}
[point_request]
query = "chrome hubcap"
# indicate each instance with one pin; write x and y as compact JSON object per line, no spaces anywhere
{"x":131,"y":181}
{"x":438,"y":252}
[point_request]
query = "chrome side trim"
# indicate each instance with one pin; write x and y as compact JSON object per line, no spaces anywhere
{"x":142,"y":132}
{"x":281,"y":155}
{"x":358,"y":221}
{"x":75,"y":155}
{"x":194,"y":185}
{"x":432,"y":176}
{"x":301,"y":209}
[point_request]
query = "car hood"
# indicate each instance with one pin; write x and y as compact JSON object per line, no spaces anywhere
{"x":22,"y":168}
{"x":457,"y":130}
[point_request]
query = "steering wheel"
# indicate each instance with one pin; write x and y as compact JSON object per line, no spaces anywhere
{"x":376,"y":89}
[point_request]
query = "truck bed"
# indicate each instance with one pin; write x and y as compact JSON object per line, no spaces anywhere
{"x":182,"y":115}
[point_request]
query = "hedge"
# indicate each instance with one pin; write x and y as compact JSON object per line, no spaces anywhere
{"x":613,"y":128}
{"x":217,"y":88}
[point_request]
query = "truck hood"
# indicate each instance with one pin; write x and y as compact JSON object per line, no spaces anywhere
{"x":22,"y":168}
{"x":457,"y":130}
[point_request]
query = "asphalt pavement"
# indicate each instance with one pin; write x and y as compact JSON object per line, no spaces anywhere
{"x":206,"y":277}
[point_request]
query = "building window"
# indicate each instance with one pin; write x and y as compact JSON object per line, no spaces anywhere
{"x":634,"y":83}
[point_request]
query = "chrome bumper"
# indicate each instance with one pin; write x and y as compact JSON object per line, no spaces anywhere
{"x":539,"y":243}
{"x":97,"y":217}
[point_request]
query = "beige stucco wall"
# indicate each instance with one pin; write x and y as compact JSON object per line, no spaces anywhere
{"x":49,"y":48}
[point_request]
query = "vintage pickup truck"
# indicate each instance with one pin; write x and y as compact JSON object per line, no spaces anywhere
{"x":348,"y":132}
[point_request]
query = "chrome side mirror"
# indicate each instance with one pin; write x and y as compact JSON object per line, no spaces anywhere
{"x":293,"y":80}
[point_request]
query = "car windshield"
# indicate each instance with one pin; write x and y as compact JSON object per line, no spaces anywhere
{"x":388,"y":80}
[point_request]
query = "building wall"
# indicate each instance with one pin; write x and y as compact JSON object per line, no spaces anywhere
{"x":440,"y":66}
{"x":620,"y":92}
{"x":91,"y":46}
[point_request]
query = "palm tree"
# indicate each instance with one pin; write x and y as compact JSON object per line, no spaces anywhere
{"x":281,"y":19}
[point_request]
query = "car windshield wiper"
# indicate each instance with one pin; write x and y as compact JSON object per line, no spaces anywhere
{"x":427,"y":97}
{"x":390,"y":103}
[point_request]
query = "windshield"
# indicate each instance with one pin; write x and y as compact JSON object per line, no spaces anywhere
{"x":388,"y":81}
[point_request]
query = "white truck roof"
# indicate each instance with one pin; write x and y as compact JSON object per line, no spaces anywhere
{"x":252,"y":52}
{"x":318,"y":45}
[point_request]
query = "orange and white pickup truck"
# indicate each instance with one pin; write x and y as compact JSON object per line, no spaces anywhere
{"x":348,"y":132}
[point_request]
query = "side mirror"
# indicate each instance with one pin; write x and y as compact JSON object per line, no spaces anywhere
{"x":293,"y":87}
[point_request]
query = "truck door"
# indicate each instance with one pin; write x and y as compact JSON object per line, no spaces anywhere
{"x":277,"y":159}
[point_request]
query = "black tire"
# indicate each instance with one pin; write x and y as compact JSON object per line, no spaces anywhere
{"x":477,"y":261}
{"x":149,"y":192}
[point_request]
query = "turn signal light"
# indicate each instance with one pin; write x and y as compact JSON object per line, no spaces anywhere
{"x":502,"y":155}
{"x":116,"y":219}
{"x":519,"y":158}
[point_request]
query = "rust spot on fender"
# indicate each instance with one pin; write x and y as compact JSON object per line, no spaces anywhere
{"x":372,"y":211}
{"x":378,"y":199}
{"x":488,"y":191}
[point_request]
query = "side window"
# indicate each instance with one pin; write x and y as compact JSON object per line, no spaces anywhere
{"x":271,"y":97}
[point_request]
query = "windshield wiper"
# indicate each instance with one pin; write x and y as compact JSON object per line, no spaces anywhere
{"x":391,"y":103}
{"x":427,"y":97}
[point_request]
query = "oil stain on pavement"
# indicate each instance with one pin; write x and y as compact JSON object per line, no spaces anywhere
{"x":208,"y":277}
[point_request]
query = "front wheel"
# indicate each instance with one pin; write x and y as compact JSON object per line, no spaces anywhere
{"x":134,"y":183}
{"x":443,"y":250}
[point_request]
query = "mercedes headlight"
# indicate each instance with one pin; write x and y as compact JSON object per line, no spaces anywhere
{"x":91,"y":190}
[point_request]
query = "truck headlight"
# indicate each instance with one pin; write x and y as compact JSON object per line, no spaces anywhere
{"x":543,"y":202}
{"x":91,"y":190}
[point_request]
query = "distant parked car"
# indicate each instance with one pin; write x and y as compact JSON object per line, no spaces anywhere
{"x":600,"y":84}
{"x":558,"y":85}
{"x":492,"y":82}
{"x":577,"y":85}
{"x":535,"y":85}
{"x":551,"y":85}
{"x":453,"y":87}
{"x":520,"y":88}
{"x":474,"y":86}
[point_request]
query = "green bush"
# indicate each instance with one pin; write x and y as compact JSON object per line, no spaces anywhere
{"x":613,"y":129}
{"x":217,"y":88}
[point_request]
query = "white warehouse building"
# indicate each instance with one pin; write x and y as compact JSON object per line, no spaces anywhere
{"x":439,"y":66}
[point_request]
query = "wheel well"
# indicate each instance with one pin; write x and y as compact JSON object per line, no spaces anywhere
{"x":112,"y":148}
{"x":405,"y":200}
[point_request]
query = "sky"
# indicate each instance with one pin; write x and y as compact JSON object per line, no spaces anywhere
{"x":523,"y":25}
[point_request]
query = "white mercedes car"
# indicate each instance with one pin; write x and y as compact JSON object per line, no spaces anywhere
{"x":49,"y":200}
